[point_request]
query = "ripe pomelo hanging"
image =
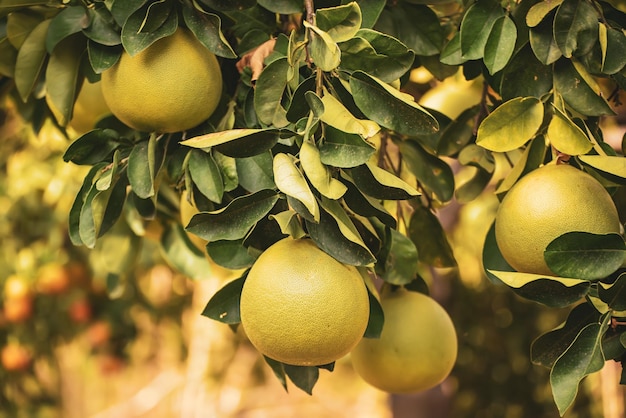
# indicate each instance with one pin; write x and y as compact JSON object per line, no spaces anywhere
{"x":300,"y":306}
{"x":417,"y":348}
{"x":545,"y":204}
{"x":171,"y":86}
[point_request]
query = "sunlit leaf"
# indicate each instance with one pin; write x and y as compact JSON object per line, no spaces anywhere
{"x":566,"y":136}
{"x":381,"y":184}
{"x":324,"y":51}
{"x":62,"y":74}
{"x":500,"y":44}
{"x":511,"y":125}
{"x":476,"y":27}
{"x":338,"y":116}
{"x":318,"y":174}
{"x":340,"y":22}
{"x":237,"y":143}
{"x":539,"y":11}
{"x":290,"y":180}
{"x":607,"y":165}
{"x":341,"y":149}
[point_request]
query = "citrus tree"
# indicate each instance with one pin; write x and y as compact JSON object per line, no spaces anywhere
{"x":266,"y":121}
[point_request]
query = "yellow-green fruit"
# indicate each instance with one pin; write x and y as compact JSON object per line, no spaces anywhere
{"x":171,"y":86}
{"x":546,"y":203}
{"x":89,"y":108}
{"x":300,"y":306}
{"x":187,"y":211}
{"x":416,"y":350}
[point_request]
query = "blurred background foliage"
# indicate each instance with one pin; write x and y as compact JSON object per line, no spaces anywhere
{"x":72,"y":349}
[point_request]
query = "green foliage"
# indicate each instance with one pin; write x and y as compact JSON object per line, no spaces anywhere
{"x":318,"y":141}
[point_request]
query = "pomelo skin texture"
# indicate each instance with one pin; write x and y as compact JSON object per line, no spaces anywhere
{"x":171,"y":86}
{"x":416,"y":350}
{"x":302,"y":307}
{"x":546,"y":203}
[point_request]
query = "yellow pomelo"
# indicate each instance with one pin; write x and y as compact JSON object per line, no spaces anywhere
{"x":452,"y":96}
{"x":89,"y":108}
{"x":416,"y":350}
{"x":546,"y":203}
{"x":171,"y":86}
{"x":300,"y":306}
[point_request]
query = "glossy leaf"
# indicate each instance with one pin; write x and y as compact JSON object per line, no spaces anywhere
{"x":432,"y":173}
{"x":566,"y":136}
{"x":613,"y":167}
{"x":69,"y":21}
{"x":511,"y":125}
{"x":492,"y":258}
{"x":93,"y":147}
{"x":224,"y":304}
{"x":235,"y":220}
{"x":435,"y":250}
{"x":476,"y":27}
{"x":585,"y":256}
{"x":147,"y":25}
{"x":290,"y":180}
{"x":208,"y":29}
{"x":340,"y":22}
{"x":345,"y":150}
{"x":74,"y":218}
{"x":543,"y":43}
{"x":139,"y":173}
{"x":318,"y":174}
{"x":377,"y":54}
{"x":338,"y":116}
{"x":614,"y":294}
{"x":304,"y":377}
{"x":390,"y":108}
{"x":102,"y":28}
{"x":458,"y":133}
{"x":377,"y":317}
{"x":525,"y":76}
{"x":282,"y":6}
{"x":364,"y":205}
{"x":269,"y":92}
{"x":399,"y":259}
{"x":256,"y":173}
{"x":574,"y":20}
{"x":102,"y":57}
{"x":381,"y":184}
{"x":323,"y":49}
{"x":583,"y":357}
{"x":62,"y":73}
{"x":30,"y":60}
{"x":579,"y":90}
{"x":206,"y":175}
{"x":182,"y":254}
{"x":289,"y":223}
{"x":612,"y":59}
{"x":500,"y":44}
{"x":229,"y":254}
{"x":539,"y":11}
{"x":415,"y":25}
{"x":237,"y":143}
{"x":556,"y":292}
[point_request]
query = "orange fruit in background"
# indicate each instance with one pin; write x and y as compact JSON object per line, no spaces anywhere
{"x":80,"y":310}
{"x":16,"y":287}
{"x":15,"y":357}
{"x":99,"y":333}
{"x":300,"y":306}
{"x":18,"y":310}
{"x":171,"y":86}
{"x":417,"y":348}
{"x":53,"y":279}
{"x":546,"y":203}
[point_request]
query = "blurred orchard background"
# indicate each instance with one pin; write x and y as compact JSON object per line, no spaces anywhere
{"x":71,"y":349}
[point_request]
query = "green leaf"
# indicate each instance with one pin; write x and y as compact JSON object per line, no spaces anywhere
{"x":147,"y":25}
{"x":532,"y":157}
{"x":476,"y":27}
{"x":456,"y":135}
{"x":278,"y":369}
{"x":377,"y":54}
{"x":389,"y":107}
{"x":285,"y":7}
{"x":304,"y":377}
{"x":574,"y":20}
{"x":107,"y":206}
{"x":289,"y":224}
{"x":206,"y":175}
{"x":511,"y":125}
{"x":208,"y":29}
{"x":436,"y":250}
{"x":256,"y":173}
{"x":269,"y":90}
{"x":182,"y":254}
{"x":344,"y":223}
{"x":415,"y":25}
{"x":19,"y":24}
{"x":139,"y":173}
{"x":237,"y":143}
{"x":583,"y":357}
{"x":338,"y":116}
{"x":525,"y":76}
{"x":543,"y":43}
{"x":472,"y":188}
{"x":539,"y":11}
{"x":102,"y":57}
{"x":381,"y":184}
{"x":224,"y":304}
{"x":30,"y":60}
{"x":74,"y":219}
{"x":579,"y":89}
{"x":340,"y":22}
{"x":229,"y":254}
{"x":555,"y":292}
{"x":235,"y":220}
{"x":68,"y":22}
{"x":612,"y":167}
{"x":377,"y":317}
{"x":614,"y":294}
{"x":318,"y":174}
{"x":117,"y":251}
{"x":290,"y":180}
{"x":585,"y":256}
{"x":102,"y":28}
{"x":93,"y":147}
{"x":328,"y":235}
{"x":345,"y":150}
{"x":398,"y":259}
{"x":492,"y":258}
{"x":613,"y":60}
{"x":500,"y":44}
{"x":324,"y":51}
{"x":121,"y":10}
{"x":548,"y":347}
{"x":364,"y":205}
{"x":433,"y":173}
{"x":566,"y":136}
{"x":62,"y":75}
